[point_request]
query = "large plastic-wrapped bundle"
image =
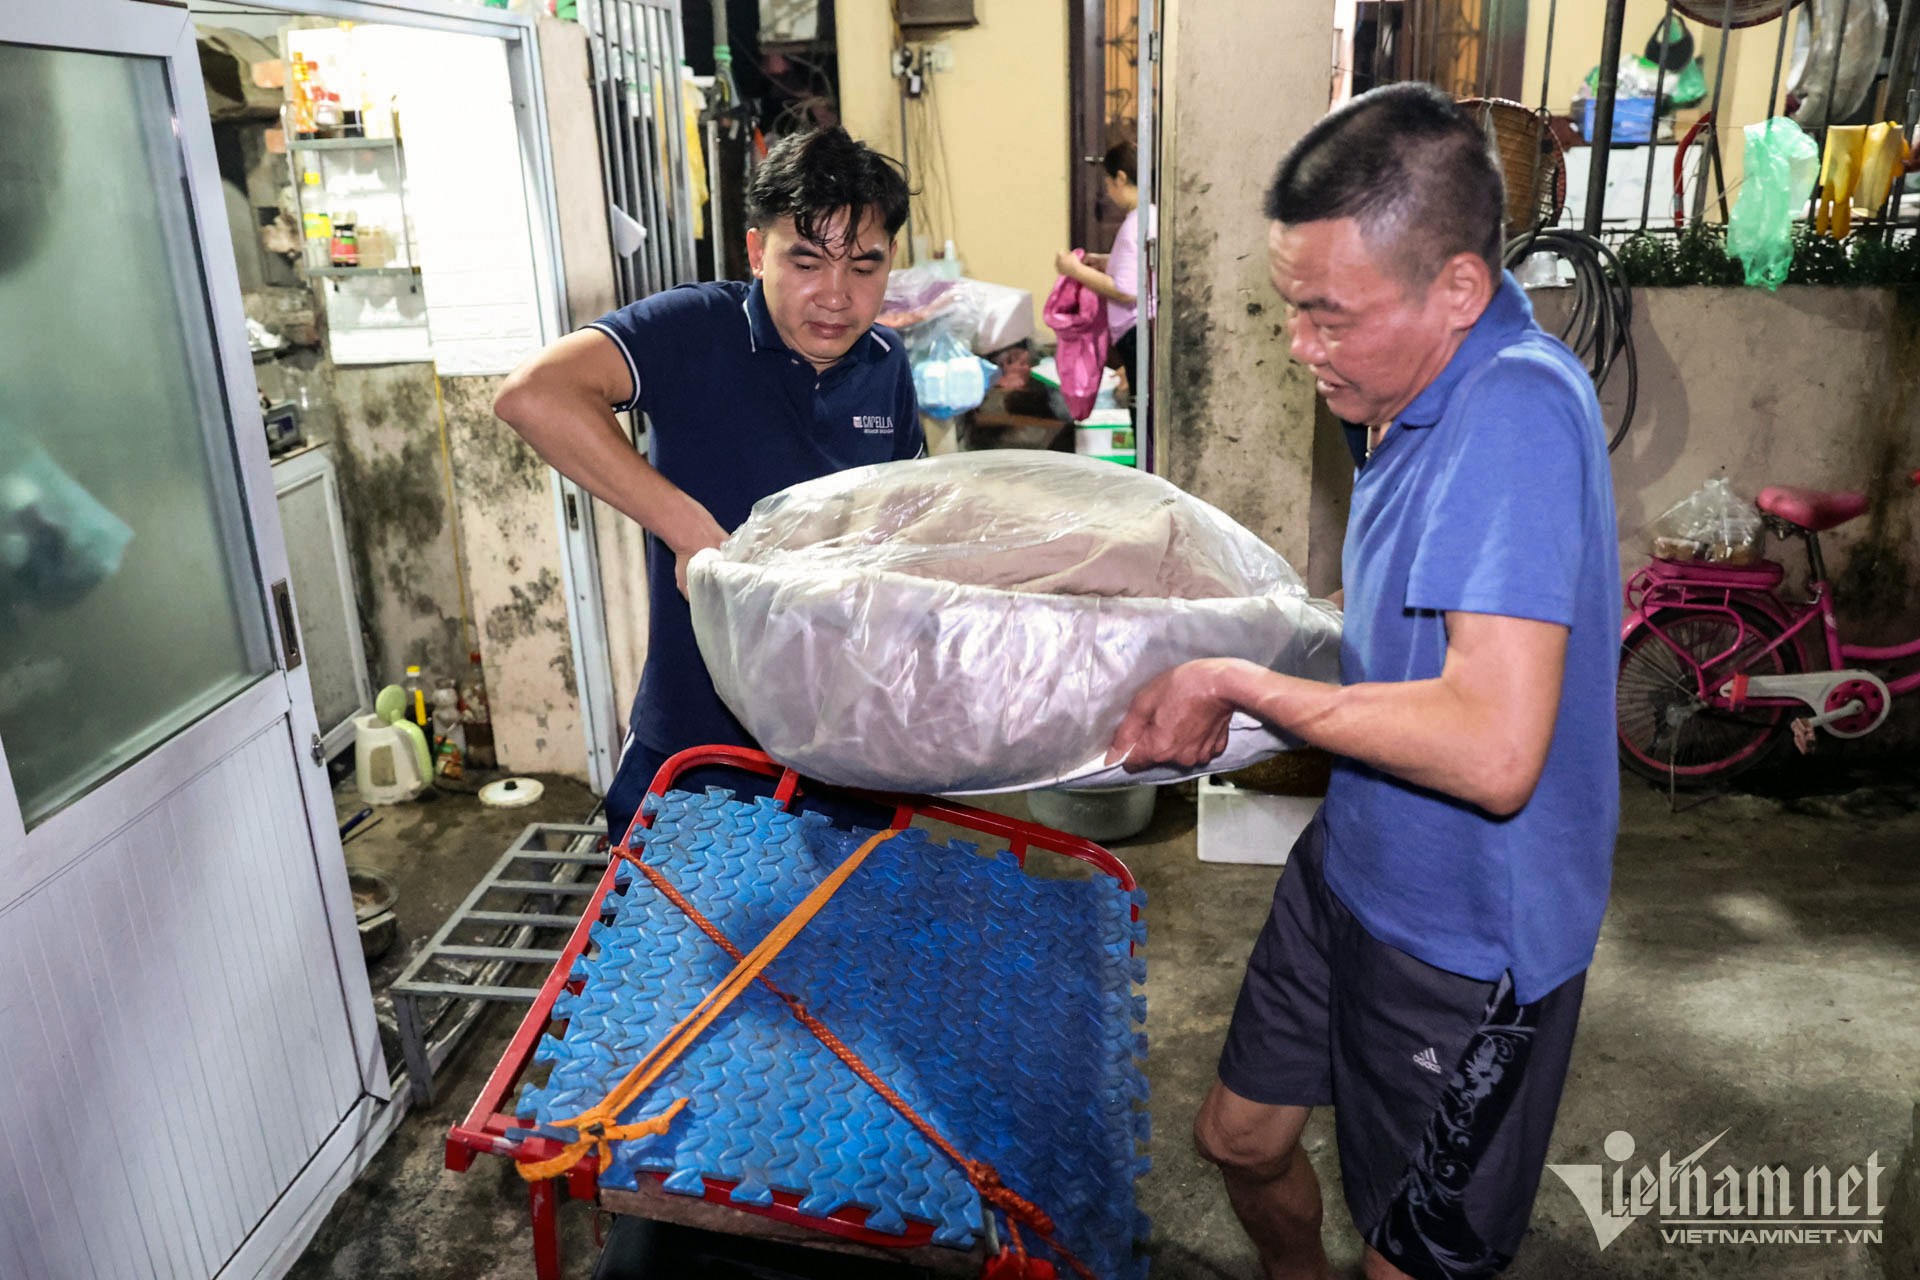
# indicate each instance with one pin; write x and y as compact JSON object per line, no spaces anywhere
{"x":981,"y":621}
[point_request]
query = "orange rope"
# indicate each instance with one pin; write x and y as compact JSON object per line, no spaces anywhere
{"x":599,"y":1125}
{"x":1015,"y":1207}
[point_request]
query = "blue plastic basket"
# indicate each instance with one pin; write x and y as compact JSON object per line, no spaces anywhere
{"x":1632,"y":120}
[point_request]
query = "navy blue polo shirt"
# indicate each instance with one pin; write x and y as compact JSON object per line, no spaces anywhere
{"x":1492,"y":494}
{"x":733,"y":416}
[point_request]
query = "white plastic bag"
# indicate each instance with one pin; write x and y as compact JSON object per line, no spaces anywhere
{"x":981,"y":621}
{"x":984,"y":316}
{"x":1711,"y":523}
{"x":1005,"y":315}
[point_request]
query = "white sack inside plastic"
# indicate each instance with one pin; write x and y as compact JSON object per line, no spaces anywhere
{"x":981,"y":621}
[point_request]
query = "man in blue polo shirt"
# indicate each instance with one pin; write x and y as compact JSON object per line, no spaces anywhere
{"x":747,"y":389}
{"x":1422,"y":967}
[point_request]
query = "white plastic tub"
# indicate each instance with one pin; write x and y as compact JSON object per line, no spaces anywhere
{"x":1250,"y":827}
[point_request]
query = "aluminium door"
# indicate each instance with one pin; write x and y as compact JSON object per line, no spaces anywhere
{"x":188,"y":1055}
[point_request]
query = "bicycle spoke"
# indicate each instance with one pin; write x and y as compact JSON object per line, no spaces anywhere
{"x":1662,"y":717}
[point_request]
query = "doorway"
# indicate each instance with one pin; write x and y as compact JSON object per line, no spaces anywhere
{"x":393,"y":217}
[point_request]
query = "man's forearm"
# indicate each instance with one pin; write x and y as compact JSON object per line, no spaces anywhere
{"x":1421,"y":731}
{"x":582,"y":440}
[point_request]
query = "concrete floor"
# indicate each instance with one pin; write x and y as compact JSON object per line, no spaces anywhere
{"x":1757,"y":975}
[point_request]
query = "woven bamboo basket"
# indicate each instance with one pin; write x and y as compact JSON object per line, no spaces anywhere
{"x":1534,"y":166}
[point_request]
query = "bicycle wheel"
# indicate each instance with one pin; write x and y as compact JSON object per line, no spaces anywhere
{"x":1667,"y":731}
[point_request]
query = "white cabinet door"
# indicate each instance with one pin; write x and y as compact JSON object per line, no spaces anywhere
{"x":188,"y":1053}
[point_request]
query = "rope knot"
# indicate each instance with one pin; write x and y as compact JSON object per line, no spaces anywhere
{"x":994,"y":1192}
{"x":984,"y":1176}
{"x":597,"y":1133}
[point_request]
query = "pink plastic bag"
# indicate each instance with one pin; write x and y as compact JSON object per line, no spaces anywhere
{"x":1078,"y":317}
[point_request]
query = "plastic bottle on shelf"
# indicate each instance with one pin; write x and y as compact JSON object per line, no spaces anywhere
{"x":449,"y":733}
{"x":418,"y":708}
{"x":326,"y":113}
{"x":373,"y":246}
{"x":300,"y":87}
{"x":346,"y":242}
{"x":476,"y":716}
{"x":319,"y":229}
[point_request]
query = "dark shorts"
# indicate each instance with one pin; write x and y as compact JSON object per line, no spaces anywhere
{"x":1443,"y":1088}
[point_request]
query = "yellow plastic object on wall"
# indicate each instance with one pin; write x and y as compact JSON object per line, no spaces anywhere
{"x":694,"y":101}
{"x":1884,"y":154}
{"x":1839,"y":175}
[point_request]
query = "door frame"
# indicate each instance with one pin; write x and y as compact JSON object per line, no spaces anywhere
{"x":1147,"y":148}
{"x":601,"y":722}
{"x":1086,"y":117}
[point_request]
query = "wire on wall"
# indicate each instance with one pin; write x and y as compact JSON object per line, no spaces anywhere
{"x":924,"y":148}
{"x":938,"y":150}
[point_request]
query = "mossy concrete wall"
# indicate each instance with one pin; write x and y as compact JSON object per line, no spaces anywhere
{"x":1811,"y":386}
{"x":404,"y":537}
{"x":1235,"y":419}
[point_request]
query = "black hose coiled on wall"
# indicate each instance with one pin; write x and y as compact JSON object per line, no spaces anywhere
{"x":1599,"y":328}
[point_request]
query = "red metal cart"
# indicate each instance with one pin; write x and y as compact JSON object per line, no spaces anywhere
{"x":485,"y":1129}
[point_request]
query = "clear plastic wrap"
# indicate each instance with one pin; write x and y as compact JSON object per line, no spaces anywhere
{"x":1711,"y":523}
{"x":981,"y":621}
{"x":1830,"y":80}
{"x":985,"y":317}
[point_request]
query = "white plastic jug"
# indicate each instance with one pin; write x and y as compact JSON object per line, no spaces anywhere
{"x":386,"y":768}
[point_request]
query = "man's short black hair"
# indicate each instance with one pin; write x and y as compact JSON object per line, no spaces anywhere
{"x":1122,"y":161}
{"x":813,"y":177}
{"x":1412,"y":168}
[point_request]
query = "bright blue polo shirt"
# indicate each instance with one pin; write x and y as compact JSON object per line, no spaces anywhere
{"x":734,"y":415}
{"x":1492,"y":494}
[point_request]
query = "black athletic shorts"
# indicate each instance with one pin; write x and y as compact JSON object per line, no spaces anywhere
{"x":1443,"y":1088}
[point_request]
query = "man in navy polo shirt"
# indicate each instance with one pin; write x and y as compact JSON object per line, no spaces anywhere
{"x":747,"y":389}
{"x":1422,"y":967}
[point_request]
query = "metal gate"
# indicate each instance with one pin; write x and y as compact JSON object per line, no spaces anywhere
{"x":635,"y":47}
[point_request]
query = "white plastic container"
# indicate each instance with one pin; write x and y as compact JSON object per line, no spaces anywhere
{"x":1106,"y":434}
{"x":385,"y":768}
{"x":1250,"y":827}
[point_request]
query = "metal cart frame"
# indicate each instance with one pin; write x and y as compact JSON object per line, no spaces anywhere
{"x":487,"y":1124}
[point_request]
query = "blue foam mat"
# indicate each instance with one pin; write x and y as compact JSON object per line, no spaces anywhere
{"x":1001,"y":1006}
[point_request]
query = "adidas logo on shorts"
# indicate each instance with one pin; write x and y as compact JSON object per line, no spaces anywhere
{"x":1427,"y":1060}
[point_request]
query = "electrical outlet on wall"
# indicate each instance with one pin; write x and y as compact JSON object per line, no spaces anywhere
{"x":939,"y":57}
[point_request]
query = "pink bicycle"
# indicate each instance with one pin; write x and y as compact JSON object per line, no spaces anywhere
{"x":1713,"y":660}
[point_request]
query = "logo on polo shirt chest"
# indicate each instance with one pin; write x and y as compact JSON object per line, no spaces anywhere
{"x":878,"y":425}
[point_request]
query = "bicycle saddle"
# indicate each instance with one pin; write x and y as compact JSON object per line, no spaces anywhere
{"x":1814,"y":509}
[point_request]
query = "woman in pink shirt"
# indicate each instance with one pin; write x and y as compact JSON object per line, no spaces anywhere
{"x":1115,"y":276}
